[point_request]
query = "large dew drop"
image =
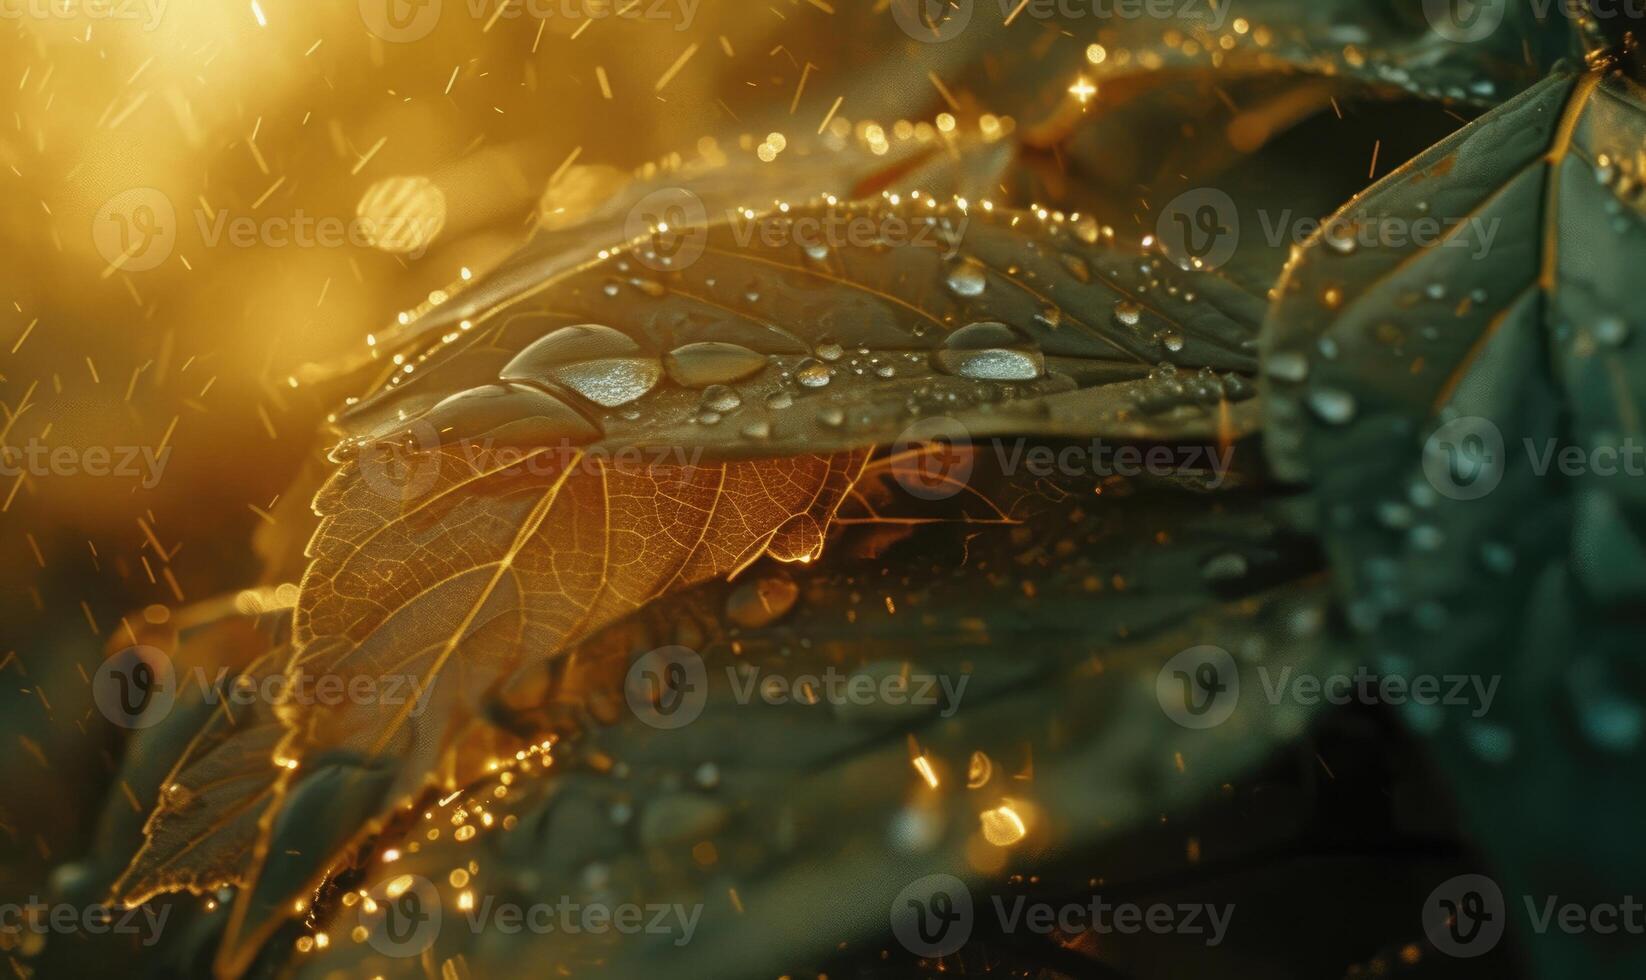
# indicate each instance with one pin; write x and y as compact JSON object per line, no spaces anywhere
{"x":611,"y":381}
{"x":813,"y":373}
{"x":568,"y":345}
{"x":967,"y":278}
{"x":510,"y":413}
{"x":990,"y":351}
{"x":1332,"y":405}
{"x":712,"y":363}
{"x":601,"y":364}
{"x":721,"y":399}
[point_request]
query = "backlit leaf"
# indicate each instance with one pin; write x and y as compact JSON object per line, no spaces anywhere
{"x":801,"y":803}
{"x":518,"y":527}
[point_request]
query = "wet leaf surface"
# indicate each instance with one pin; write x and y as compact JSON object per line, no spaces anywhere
{"x":799,"y":803}
{"x":1430,"y":410}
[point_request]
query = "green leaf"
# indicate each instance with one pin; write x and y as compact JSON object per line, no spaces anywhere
{"x":589,"y":208}
{"x":781,"y":365}
{"x":1426,"y":395}
{"x":856,"y":313}
{"x":1379,"y":43}
{"x":800,"y":804}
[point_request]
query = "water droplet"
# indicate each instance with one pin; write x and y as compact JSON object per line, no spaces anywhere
{"x":1226,"y":567}
{"x":512,"y":412}
{"x":611,"y":382}
{"x":1426,"y":537}
{"x":762,"y":602}
{"x":1493,"y":743}
{"x":990,"y":351}
{"x":817,"y":252}
{"x":1498,"y":558}
{"x":779,"y":400}
{"x":1127,"y":313}
{"x":830,"y":351}
{"x":1332,"y":405}
{"x":1612,"y":331}
{"x":833,"y":416}
{"x":761,"y":430}
{"x":1078,"y":268}
{"x":813,"y":373}
{"x":1340,"y":238}
{"x":1389,"y":334}
{"x":1288,"y":366}
{"x":568,"y":345}
{"x":1087,"y":230}
{"x":967,"y":278}
{"x":719,"y":398}
{"x":712,"y":362}
{"x":1172,"y":339}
